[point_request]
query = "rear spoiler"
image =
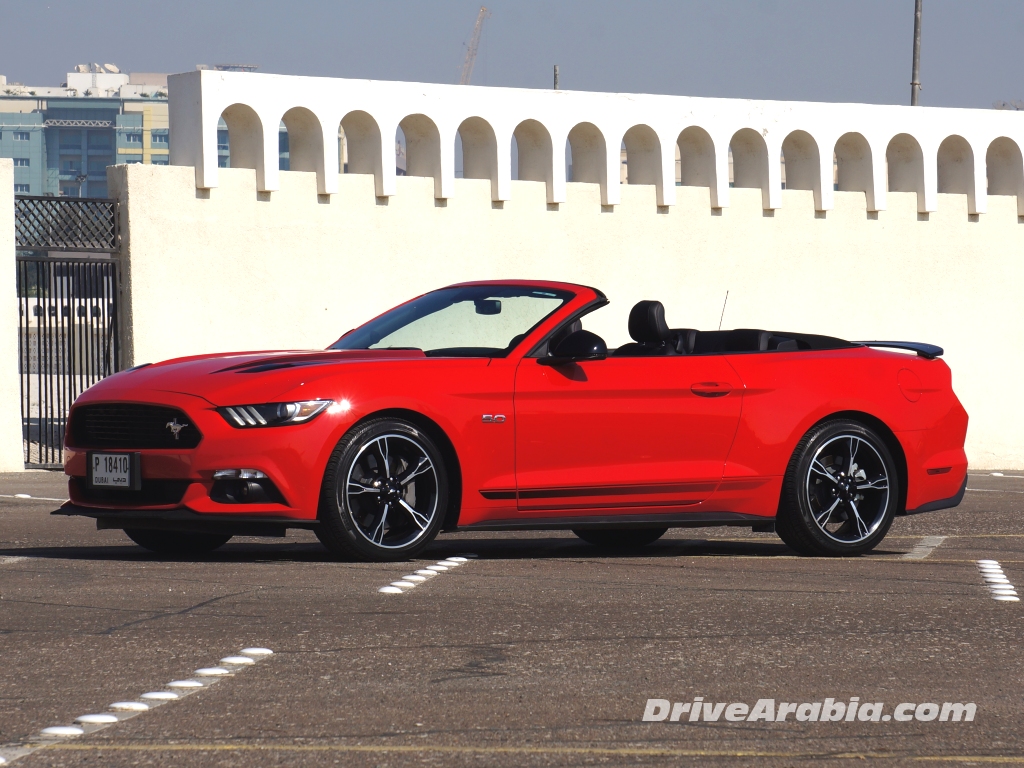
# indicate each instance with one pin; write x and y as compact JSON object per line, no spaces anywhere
{"x":927,"y":351}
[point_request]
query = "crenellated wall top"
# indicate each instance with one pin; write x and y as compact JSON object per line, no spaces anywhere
{"x":856,"y":147}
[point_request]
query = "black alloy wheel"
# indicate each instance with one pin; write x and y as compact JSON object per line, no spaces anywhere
{"x":620,"y":538}
{"x":840,"y":492}
{"x":385,"y":492}
{"x":176,"y":543}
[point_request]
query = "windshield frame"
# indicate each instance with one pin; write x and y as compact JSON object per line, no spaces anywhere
{"x":568,"y":294}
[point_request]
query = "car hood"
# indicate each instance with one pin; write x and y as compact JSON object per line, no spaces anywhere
{"x":240,"y":378}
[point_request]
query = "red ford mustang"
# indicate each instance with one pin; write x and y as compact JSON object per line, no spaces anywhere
{"x":486,"y":406}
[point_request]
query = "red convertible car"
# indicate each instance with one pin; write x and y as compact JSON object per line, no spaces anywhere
{"x":486,"y":406}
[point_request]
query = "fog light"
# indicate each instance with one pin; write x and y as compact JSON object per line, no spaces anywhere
{"x":238,"y":474}
{"x":244,"y":486}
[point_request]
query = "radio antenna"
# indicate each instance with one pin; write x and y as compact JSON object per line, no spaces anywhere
{"x":723,"y":310}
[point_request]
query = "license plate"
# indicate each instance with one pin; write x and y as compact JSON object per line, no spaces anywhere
{"x":115,"y":470}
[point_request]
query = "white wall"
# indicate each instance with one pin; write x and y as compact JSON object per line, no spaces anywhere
{"x":232,"y":268}
{"x":12,"y":459}
{"x":927,"y":149}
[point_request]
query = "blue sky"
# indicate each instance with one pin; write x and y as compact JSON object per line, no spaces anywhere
{"x":819,"y":50}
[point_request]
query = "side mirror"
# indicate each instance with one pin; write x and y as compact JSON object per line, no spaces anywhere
{"x":577,"y":347}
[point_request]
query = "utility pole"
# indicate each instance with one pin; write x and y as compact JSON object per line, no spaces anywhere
{"x":556,"y":77}
{"x":915,"y":81}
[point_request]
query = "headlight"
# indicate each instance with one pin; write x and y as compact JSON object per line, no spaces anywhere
{"x":272,"y":414}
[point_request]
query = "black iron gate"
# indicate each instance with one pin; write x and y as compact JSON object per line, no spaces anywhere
{"x":68,"y":305}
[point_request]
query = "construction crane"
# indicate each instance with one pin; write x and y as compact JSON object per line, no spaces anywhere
{"x":473,"y":47}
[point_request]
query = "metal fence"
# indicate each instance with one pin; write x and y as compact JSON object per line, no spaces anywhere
{"x":68,"y":306}
{"x":67,"y":341}
{"x":66,"y":224}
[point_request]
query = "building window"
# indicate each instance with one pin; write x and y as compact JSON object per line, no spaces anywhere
{"x":132,"y":159}
{"x":133,"y":138}
{"x":99,"y":164}
{"x":21,"y":189}
{"x":22,"y":136}
{"x":97,"y":189}
{"x":70,"y":166}
{"x":21,"y":162}
{"x":159,"y":159}
{"x":99,"y":140}
{"x":223,"y":161}
{"x":159,"y":138}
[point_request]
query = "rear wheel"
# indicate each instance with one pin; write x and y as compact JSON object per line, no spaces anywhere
{"x":620,"y":538}
{"x":385,"y":492}
{"x":176,"y":542}
{"x":840,"y":492}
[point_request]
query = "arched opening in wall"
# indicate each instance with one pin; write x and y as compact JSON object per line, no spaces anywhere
{"x":852,"y":158}
{"x":479,"y":149}
{"x":531,"y":152}
{"x":283,"y":157}
{"x":360,"y":150}
{"x":643,"y":155}
{"x":696,"y":157}
{"x":955,"y":166}
{"x":801,"y":163}
{"x":301,"y":141}
{"x":905,"y":163}
{"x":749,"y":160}
{"x":418,"y":139}
{"x":1005,"y":167}
{"x":223,"y":145}
{"x":243,"y":147}
{"x":587,"y":157}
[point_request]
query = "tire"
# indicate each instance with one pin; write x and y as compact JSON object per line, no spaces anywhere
{"x":828,"y":511}
{"x":622,"y":538}
{"x":177,"y":543}
{"x":385,"y":493}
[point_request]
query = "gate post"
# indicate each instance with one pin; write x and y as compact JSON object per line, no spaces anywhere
{"x":12,"y":455}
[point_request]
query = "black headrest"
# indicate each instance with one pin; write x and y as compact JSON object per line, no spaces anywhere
{"x":647,"y":322}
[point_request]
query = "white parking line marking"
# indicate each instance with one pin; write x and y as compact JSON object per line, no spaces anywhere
{"x":415,"y":579}
{"x":924,"y":548}
{"x":242,"y":660}
{"x":90,"y":723}
{"x":212,"y":672}
{"x":991,"y":490}
{"x":96,"y":719}
{"x":129,"y":706}
{"x":8,"y":560}
{"x":999,"y":586}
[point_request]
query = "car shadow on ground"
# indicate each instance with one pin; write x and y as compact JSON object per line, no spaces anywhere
{"x":247,"y":550}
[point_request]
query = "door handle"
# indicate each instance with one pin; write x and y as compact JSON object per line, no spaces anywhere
{"x":711,"y":389}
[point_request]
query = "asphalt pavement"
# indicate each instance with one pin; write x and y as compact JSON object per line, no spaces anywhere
{"x":538,"y":650}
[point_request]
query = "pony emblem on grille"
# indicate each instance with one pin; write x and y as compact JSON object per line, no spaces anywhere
{"x":175,"y":428}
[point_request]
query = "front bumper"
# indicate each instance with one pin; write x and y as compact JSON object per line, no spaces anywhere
{"x":293,"y":458}
{"x":185,"y":520}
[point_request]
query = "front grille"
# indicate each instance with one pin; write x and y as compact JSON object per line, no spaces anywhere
{"x":154,"y":493}
{"x":129,"y":426}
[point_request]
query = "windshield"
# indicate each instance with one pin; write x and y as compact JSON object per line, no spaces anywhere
{"x":471,"y":321}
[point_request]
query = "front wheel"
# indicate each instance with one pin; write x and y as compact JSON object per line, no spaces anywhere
{"x":177,"y":543}
{"x":385,"y":492}
{"x":620,"y":538}
{"x":840,"y":492}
